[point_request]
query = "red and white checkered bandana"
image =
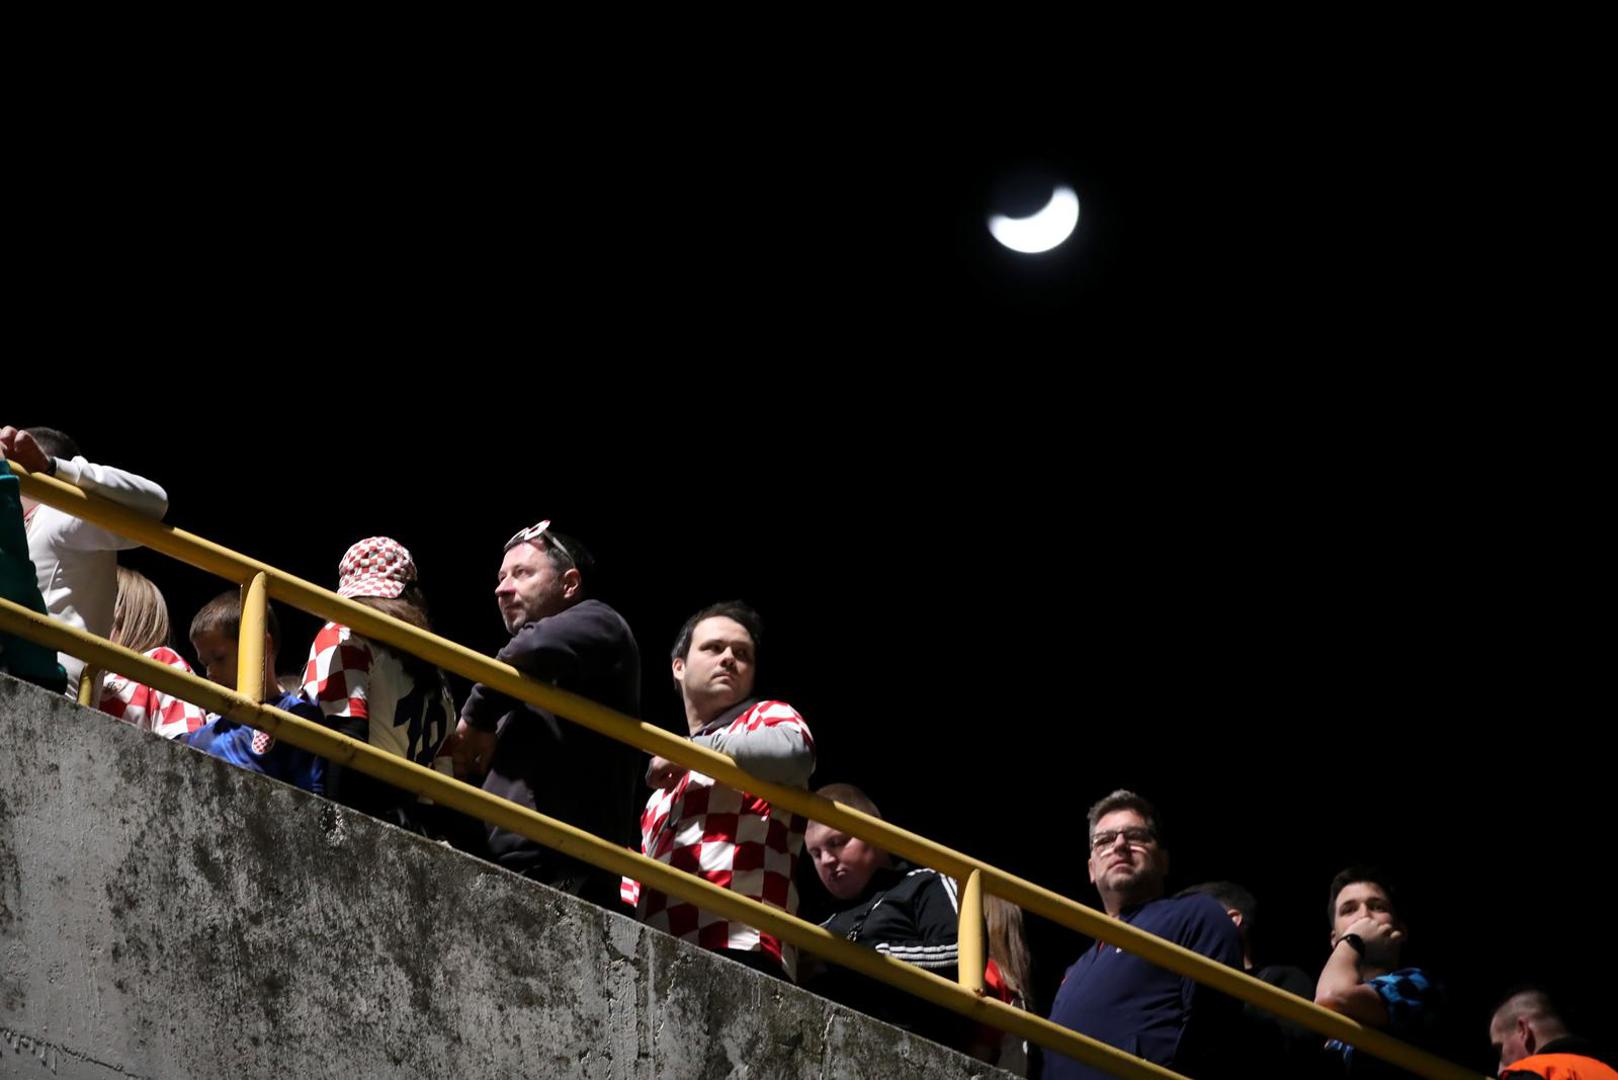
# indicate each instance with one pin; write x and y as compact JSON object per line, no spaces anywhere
{"x":375,"y":567}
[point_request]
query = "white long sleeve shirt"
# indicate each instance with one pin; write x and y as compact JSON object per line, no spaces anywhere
{"x":77,"y":562}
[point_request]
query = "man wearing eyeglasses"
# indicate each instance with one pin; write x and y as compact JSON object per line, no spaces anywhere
{"x":1122,"y":1000}
{"x":537,"y":759}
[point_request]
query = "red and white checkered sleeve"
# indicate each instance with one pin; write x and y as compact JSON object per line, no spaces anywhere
{"x":338,"y":675}
{"x":124,"y":699}
{"x":170,"y":717}
{"x":771,"y":741}
{"x":769,"y":714}
{"x":655,"y":838}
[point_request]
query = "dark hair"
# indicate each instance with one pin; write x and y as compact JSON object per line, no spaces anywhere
{"x":57,"y":444}
{"x":728,"y":609}
{"x":1535,"y":1002}
{"x":223,"y":615}
{"x":565,"y":552}
{"x":1231,"y":895}
{"x":1125,"y":800}
{"x":409,"y":606}
{"x":1370,"y":875}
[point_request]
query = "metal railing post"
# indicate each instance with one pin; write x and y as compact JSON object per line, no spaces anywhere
{"x":969,"y":937}
{"x":89,"y":679}
{"x":250,"y":648}
{"x":213,"y":558}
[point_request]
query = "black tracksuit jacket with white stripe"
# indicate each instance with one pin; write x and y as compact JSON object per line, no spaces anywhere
{"x":912,"y":915}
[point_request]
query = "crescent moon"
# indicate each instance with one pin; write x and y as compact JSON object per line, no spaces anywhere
{"x":1042,"y":230}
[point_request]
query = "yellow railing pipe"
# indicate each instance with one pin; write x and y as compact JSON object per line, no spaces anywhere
{"x":89,"y":679}
{"x":572,"y":841}
{"x":250,"y":644}
{"x":969,"y":936}
{"x":1033,"y":898}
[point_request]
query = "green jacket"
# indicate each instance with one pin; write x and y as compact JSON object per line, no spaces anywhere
{"x":19,"y":584}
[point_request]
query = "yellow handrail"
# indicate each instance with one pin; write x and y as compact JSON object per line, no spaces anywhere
{"x":969,"y":935}
{"x":250,"y":638}
{"x":567,"y":839}
{"x":223,"y":562}
{"x":89,"y":685}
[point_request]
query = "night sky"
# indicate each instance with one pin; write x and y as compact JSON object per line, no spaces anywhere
{"x":1245,"y":498}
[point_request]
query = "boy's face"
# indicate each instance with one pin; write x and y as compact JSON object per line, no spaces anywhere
{"x":217,"y":655}
{"x":845,"y":863}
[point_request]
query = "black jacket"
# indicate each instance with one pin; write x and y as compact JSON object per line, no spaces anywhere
{"x":553,"y":765}
{"x":912,"y":915}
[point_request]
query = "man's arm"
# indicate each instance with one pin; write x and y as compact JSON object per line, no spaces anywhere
{"x":124,"y":488}
{"x":1342,"y":987}
{"x":484,"y":707}
{"x":558,"y":648}
{"x":1341,"y":991}
{"x":937,"y":926}
{"x":774,"y":745}
{"x":553,"y":649}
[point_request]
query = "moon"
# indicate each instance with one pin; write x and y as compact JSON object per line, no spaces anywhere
{"x":1042,"y":230}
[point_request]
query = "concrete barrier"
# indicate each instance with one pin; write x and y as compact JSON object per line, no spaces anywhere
{"x":163,"y":914}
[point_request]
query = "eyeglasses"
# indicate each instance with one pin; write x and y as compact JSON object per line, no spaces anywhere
{"x":1137,"y":835}
{"x":534,"y":532}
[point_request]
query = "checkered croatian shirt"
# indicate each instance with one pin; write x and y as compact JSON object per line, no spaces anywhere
{"x":732,"y":839}
{"x":349,"y":676}
{"x":149,"y":709}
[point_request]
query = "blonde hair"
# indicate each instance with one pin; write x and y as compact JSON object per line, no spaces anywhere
{"x":140,"y":615}
{"x":1008,"y":948}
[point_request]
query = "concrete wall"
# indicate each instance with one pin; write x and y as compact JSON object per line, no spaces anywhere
{"x":163,"y":914}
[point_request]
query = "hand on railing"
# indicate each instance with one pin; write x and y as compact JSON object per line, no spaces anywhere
{"x":20,"y":447}
{"x":663,"y":773}
{"x":470,"y":750}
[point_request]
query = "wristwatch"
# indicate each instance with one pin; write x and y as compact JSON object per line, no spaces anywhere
{"x":1354,"y":940}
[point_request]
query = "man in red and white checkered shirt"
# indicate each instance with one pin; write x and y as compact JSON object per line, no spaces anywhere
{"x":731,"y":838}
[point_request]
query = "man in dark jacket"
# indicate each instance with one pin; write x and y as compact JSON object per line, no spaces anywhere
{"x":1123,"y":1000}
{"x":531,"y":756}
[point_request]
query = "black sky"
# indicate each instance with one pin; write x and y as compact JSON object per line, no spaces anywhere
{"x":1266,"y":495}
